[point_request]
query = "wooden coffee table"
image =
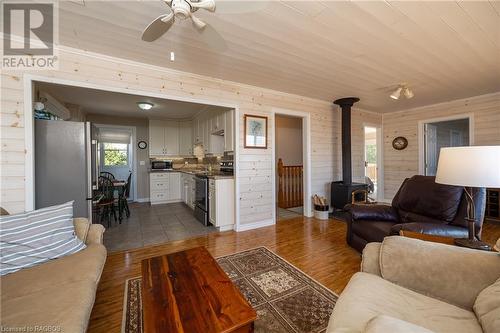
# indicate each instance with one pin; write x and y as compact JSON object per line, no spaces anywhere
{"x":188,"y":291}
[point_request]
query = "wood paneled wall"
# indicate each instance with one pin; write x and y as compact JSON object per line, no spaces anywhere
{"x":255,"y":165}
{"x":399,"y":164}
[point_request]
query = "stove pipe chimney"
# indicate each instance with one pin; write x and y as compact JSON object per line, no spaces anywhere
{"x":346,"y":104}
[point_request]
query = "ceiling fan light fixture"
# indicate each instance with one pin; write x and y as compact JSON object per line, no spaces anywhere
{"x":145,"y":105}
{"x":397,"y":93}
{"x":408,"y":93}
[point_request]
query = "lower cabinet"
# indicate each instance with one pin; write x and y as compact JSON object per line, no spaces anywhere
{"x":188,"y":189}
{"x":221,"y":202}
{"x":164,"y":187}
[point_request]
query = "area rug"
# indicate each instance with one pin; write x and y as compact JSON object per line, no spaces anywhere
{"x":285,"y":298}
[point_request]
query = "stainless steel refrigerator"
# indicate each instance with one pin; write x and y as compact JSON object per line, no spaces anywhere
{"x":66,"y":164}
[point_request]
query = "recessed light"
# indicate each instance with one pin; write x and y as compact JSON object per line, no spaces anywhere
{"x":172,"y":56}
{"x":144,"y":105}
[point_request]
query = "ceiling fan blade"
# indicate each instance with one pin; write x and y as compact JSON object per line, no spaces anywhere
{"x":212,"y":38}
{"x":198,"y":24}
{"x":203,"y":4}
{"x":158,"y":27}
{"x":240,"y":7}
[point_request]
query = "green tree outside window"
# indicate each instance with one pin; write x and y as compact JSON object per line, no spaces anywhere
{"x":115,"y":154}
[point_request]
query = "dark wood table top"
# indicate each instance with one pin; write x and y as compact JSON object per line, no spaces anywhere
{"x":188,"y":291}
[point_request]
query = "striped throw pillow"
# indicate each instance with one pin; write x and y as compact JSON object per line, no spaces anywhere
{"x":32,"y":238}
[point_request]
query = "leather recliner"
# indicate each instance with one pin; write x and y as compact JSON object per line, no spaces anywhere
{"x":420,"y":205}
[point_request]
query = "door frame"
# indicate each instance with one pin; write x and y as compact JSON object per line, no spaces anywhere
{"x":421,"y":135}
{"x":380,"y":157}
{"x":306,"y":156}
{"x":28,"y":84}
{"x":132,"y":150}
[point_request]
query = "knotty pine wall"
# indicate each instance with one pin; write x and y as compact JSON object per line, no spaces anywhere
{"x":400,"y":164}
{"x":255,"y":164}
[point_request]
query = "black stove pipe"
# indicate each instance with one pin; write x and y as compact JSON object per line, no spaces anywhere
{"x":346,"y":104}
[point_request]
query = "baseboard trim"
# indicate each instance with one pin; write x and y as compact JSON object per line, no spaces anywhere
{"x":255,"y":225}
{"x":226,"y":228}
{"x":142,"y":200}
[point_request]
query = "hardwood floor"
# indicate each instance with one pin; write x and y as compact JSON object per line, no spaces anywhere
{"x":316,"y":247}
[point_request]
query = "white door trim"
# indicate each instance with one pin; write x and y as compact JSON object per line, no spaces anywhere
{"x":29,"y":121}
{"x":306,"y":156}
{"x":133,"y":149}
{"x":421,"y":135}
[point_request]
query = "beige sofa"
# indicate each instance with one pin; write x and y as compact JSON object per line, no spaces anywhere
{"x":58,"y":294}
{"x":408,"y":285}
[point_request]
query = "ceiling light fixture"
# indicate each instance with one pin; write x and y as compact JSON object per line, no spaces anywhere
{"x":402,"y":89}
{"x":145,"y":105}
{"x":397,"y":93}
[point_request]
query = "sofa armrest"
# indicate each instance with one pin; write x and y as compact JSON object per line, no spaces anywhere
{"x":372,"y":212}
{"x":435,"y":229}
{"x":82,"y":226}
{"x":450,"y":273}
{"x":95,"y":234}
{"x":370,"y":262}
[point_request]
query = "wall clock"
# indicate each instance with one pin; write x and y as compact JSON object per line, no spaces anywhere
{"x":399,"y":143}
{"x":142,"y":144}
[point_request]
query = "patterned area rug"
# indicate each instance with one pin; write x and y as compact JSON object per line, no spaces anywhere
{"x":285,"y":298}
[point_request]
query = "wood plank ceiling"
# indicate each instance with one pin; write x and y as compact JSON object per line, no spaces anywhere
{"x":443,"y":50}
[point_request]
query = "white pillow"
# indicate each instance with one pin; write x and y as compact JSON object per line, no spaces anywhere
{"x":32,"y":238}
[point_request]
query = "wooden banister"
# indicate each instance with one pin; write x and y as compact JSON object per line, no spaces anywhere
{"x":290,"y":185}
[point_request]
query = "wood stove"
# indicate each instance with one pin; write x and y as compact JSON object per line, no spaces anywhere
{"x":341,"y":191}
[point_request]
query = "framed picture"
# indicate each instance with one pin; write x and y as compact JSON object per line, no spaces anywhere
{"x":255,"y":132}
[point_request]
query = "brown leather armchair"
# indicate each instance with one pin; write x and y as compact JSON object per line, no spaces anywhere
{"x":420,"y":205}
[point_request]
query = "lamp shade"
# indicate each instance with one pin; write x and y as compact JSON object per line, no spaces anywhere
{"x":475,"y":166}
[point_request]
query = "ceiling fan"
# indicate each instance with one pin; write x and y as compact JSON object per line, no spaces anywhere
{"x":184,"y":9}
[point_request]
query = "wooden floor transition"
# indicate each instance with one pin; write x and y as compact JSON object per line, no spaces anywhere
{"x":316,"y":247}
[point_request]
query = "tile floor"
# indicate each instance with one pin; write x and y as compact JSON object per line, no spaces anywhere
{"x":149,"y":225}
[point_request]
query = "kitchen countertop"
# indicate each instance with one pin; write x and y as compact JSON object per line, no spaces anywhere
{"x":212,"y":175}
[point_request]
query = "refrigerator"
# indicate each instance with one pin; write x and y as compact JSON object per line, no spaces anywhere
{"x":66,"y":164}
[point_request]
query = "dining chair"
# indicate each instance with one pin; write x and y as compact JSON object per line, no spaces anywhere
{"x":125,"y":195}
{"x":106,"y":174}
{"x":106,"y":205}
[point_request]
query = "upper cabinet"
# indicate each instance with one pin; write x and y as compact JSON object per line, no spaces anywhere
{"x":212,"y":130}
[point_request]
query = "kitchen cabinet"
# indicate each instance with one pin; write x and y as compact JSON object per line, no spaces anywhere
{"x":163,"y":138}
{"x":186,"y":138}
{"x":164,"y":187}
{"x":229,"y":130}
{"x":221,"y":202}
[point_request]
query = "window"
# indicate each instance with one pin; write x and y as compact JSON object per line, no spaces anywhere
{"x":115,"y":154}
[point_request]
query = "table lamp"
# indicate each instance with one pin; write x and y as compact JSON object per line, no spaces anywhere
{"x":473,"y":166}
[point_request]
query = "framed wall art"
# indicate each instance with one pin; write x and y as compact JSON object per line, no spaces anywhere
{"x":255,"y":132}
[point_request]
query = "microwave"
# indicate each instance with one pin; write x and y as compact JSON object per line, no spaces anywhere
{"x":161,"y":165}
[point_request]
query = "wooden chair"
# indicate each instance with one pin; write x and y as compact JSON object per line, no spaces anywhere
{"x":107,"y":175}
{"x":124,"y":196}
{"x":106,"y":205}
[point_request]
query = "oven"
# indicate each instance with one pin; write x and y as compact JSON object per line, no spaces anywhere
{"x":201,"y":199}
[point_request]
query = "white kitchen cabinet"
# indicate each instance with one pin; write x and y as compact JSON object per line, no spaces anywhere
{"x":164,"y":187}
{"x":163,"y":138}
{"x":229,"y":131}
{"x":221,"y":202}
{"x":185,"y":138}
{"x":156,"y":138}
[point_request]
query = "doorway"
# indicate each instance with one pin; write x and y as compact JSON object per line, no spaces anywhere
{"x":289,"y":166}
{"x":372,"y":161}
{"x":117,"y":153}
{"x":440,"y":134}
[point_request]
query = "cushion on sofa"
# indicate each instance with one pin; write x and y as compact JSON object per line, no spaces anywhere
{"x":367,"y":296}
{"x":487,"y":308}
{"x":65,"y":307}
{"x":418,"y":265}
{"x":31,"y":238}
{"x":385,"y":324}
{"x":85,"y":265}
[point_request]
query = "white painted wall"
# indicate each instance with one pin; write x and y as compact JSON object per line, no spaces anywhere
{"x":289,"y":140}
